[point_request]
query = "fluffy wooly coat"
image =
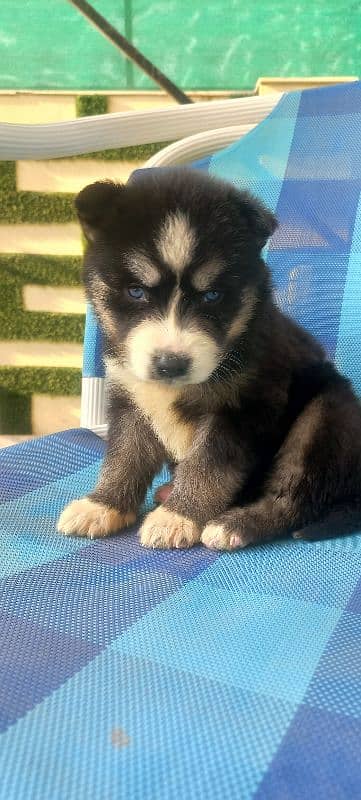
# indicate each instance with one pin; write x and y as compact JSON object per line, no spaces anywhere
{"x":206,"y":373}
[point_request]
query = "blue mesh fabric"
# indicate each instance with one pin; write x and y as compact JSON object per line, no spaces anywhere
{"x":127,"y":672}
{"x":149,"y":674}
{"x":304,"y":162}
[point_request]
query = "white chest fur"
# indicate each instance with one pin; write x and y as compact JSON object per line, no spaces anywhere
{"x":156,"y":403}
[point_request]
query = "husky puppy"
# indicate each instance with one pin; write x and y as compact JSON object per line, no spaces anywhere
{"x":205,"y":372}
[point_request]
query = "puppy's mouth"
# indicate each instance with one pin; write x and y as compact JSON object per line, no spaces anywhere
{"x":172,"y":369}
{"x":165,"y":353}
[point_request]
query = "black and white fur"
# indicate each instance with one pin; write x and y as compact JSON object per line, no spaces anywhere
{"x":204,"y":371}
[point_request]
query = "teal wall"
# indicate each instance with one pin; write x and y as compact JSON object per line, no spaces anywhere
{"x":209,"y":44}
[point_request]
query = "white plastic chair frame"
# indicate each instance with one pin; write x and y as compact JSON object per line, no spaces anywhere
{"x":200,"y":130}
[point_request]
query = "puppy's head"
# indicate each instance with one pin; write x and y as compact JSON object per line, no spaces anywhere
{"x":173,"y":269}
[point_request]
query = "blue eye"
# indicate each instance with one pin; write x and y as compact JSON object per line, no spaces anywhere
{"x":212,"y":296}
{"x":136,"y":293}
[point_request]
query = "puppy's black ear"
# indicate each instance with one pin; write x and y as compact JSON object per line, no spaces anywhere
{"x":261,"y":222}
{"x":97,"y":205}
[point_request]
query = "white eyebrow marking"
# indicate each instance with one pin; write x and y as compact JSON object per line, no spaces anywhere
{"x":142,"y":268}
{"x":206,"y":274}
{"x":176,"y":241}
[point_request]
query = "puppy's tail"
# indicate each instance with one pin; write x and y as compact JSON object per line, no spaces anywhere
{"x":341,"y":520}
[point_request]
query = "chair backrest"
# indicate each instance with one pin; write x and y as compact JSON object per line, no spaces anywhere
{"x":304,"y":161}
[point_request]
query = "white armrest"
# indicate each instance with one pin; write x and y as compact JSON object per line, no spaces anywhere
{"x":201,"y":144}
{"x":91,"y":134}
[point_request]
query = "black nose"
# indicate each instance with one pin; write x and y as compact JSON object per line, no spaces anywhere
{"x":170,"y":365}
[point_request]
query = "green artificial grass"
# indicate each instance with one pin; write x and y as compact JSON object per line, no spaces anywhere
{"x":40,"y":380}
{"x":17,"y":323}
{"x":34,"y":206}
{"x":15,"y":412}
{"x":88,"y":105}
{"x":42,"y":325}
{"x":139,"y":152}
{"x":18,"y":207}
{"x":17,"y":384}
{"x":7,"y":176}
{"x":44,"y":270}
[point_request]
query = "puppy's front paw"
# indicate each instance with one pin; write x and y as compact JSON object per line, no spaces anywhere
{"x":85,"y":517}
{"x":165,"y":529}
{"x":225,"y":533}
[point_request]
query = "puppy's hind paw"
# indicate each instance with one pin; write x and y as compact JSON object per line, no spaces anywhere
{"x":85,"y":517}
